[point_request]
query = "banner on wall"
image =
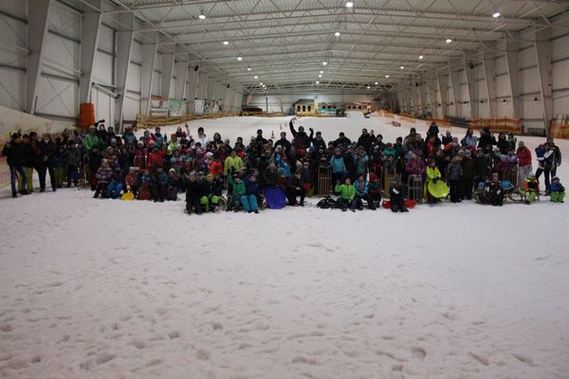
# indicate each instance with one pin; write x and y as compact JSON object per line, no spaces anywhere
{"x":175,"y":107}
{"x":199,"y":106}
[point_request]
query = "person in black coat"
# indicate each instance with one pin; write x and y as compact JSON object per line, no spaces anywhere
{"x":318,"y":142}
{"x":15,"y":152}
{"x":301,"y":140}
{"x":396,"y":197}
{"x":366,"y":140}
{"x":486,"y":141}
{"x":47,"y":150}
{"x":195,"y":190}
{"x":284,"y":143}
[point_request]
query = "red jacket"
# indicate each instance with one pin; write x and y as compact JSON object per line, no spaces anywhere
{"x":524,"y":156}
{"x":215,"y":168}
{"x":156,"y":157}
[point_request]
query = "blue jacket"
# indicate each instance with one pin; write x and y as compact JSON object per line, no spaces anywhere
{"x":252,"y":188}
{"x":337,"y":164}
{"x":556,"y":187}
{"x":361,"y":188}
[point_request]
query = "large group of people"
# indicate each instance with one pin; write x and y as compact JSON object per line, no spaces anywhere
{"x":247,"y":175}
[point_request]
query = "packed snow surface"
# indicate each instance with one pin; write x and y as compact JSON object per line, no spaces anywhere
{"x":110,"y":289}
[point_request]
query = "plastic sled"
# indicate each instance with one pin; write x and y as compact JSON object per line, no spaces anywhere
{"x":127,"y":196}
{"x":438,"y":190}
{"x":275,"y":198}
{"x":386,"y":204}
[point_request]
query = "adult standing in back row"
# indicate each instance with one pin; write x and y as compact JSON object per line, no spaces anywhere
{"x":16,"y":157}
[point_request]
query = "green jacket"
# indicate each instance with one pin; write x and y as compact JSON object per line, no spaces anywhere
{"x":235,"y":164}
{"x":238,"y":189}
{"x":91,"y":141}
{"x":347,"y":192}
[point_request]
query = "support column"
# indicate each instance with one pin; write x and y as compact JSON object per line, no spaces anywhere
{"x":490,"y":76}
{"x":432,"y":91}
{"x":181,"y":70}
{"x":513,"y":65}
{"x":167,"y":74}
{"x":202,"y":85}
{"x":543,"y":51}
{"x":471,"y":84}
{"x":443,"y":91}
{"x":423,"y":94}
{"x":455,"y":84}
{"x":125,"y":40}
{"x":193,"y":84}
{"x":90,"y":31}
{"x":38,"y":16}
{"x":149,"y":53}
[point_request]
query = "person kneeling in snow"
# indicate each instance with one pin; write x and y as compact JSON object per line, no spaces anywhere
{"x":252,"y":191}
{"x":195,"y":192}
{"x":396,"y":197}
{"x":347,"y":194}
{"x":237,"y":190}
{"x":556,"y":190}
{"x":492,"y":191}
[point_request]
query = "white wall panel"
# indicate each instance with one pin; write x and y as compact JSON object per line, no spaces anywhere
{"x":12,"y":89}
{"x":58,"y":97}
{"x":133,"y":79}
{"x":103,"y":68}
{"x":64,"y":20}
{"x":106,"y":36}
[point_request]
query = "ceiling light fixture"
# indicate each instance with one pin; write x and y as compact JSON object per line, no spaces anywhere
{"x":226,"y":43}
{"x":496,"y":14}
{"x":324,"y":63}
{"x":248,"y":68}
{"x":448,"y":40}
{"x":319,"y":75}
{"x":337,"y":34}
{"x":376,"y":83}
{"x":256,"y":77}
{"x":368,"y":87}
{"x":402,"y":67}
{"x":321,"y":71}
{"x":421,"y":57}
{"x":317,"y":82}
{"x":349,"y":4}
{"x":387,"y":76}
{"x":261,"y":83}
{"x":201,"y":16}
{"x":239,"y":59}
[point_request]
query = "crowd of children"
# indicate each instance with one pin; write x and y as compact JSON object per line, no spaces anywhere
{"x":275,"y":172}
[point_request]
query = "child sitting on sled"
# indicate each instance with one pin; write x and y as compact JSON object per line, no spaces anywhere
{"x":531,"y":189}
{"x":396,"y":198}
{"x":556,"y":190}
{"x":346,"y":195}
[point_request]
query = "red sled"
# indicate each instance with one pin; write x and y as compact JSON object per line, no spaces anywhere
{"x":409,"y":204}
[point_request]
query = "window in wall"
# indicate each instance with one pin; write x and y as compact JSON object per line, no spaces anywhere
{"x":304,"y":108}
{"x":298,"y":108}
{"x":309,"y":108}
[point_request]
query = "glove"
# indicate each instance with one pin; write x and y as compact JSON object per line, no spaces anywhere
{"x":310,"y":129}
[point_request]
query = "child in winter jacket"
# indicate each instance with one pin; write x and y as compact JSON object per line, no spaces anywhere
{"x":103,"y":176}
{"x":396,"y":197}
{"x":237,"y":190}
{"x":115,"y":185}
{"x":374,"y":191}
{"x":347,"y":194}
{"x":433,"y":175}
{"x":493,"y":193}
{"x":556,"y":190}
{"x":362,"y":193}
{"x":454,"y":177}
{"x":531,"y":189}
{"x":252,"y":191}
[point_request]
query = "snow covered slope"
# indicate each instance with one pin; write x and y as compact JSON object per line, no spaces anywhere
{"x":110,"y":289}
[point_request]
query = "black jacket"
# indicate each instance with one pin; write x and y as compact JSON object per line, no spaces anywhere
{"x":15,"y":153}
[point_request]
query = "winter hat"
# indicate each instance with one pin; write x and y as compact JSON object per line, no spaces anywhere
{"x":171,"y":170}
{"x":555,"y":178}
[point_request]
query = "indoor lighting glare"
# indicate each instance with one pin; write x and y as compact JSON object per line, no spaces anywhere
{"x":261,"y":83}
{"x":201,"y":16}
{"x":421,"y":57}
{"x":248,"y":68}
{"x":402,"y":67}
{"x":239,"y":58}
{"x":324,"y":63}
{"x":320,"y":75}
{"x":496,"y":14}
{"x":376,"y":83}
{"x":321,"y":72}
{"x":448,"y":40}
{"x":337,"y":34}
{"x":256,"y":77}
{"x":226,"y":43}
{"x":317,"y":82}
{"x":387,"y":76}
{"x":349,"y":4}
{"x":368,"y":87}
